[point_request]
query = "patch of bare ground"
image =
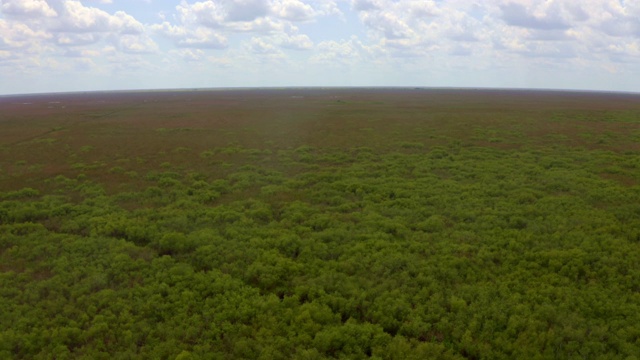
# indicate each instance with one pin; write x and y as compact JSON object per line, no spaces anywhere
{"x":624,"y":180}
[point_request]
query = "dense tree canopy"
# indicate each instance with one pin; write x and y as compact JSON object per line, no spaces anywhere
{"x":450,"y":248}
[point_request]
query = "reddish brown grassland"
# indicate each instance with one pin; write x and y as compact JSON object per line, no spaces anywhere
{"x":55,"y":131}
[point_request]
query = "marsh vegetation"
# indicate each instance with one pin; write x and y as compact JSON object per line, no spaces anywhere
{"x":310,"y":224}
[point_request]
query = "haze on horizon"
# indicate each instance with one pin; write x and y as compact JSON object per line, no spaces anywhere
{"x":70,"y":45}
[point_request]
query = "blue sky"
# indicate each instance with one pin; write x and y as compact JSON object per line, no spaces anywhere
{"x":70,"y":45}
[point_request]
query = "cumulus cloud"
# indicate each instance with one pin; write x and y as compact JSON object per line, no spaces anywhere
{"x":423,"y":9}
{"x":75,"y":17}
{"x":257,"y":16}
{"x":417,"y":28}
{"x":69,"y":29}
{"x":518,"y":15}
{"x":392,"y":34}
{"x":293,"y":10}
{"x":223,"y":14}
{"x":295,"y":42}
{"x":390,"y":24}
{"x":125,"y":23}
{"x":134,"y":44}
{"x":16,"y":35}
{"x":341,"y":53}
{"x":218,"y":24}
{"x":206,"y":13}
{"x":30,"y":8}
{"x":78,"y":52}
{"x":198,"y":37}
{"x":245,"y":10}
{"x":190,"y":55}
{"x":568,"y":29}
{"x":76,"y":39}
{"x":262,"y":47}
{"x":69,"y":17}
{"x":365,"y":5}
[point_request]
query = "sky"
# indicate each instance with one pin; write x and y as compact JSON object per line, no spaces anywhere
{"x":88,"y":45}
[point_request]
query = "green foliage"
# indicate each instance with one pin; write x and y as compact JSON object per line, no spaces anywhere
{"x":23,"y":193}
{"x":406,"y":247}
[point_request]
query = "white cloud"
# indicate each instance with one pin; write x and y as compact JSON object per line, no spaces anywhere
{"x":76,"y":17}
{"x":76,"y":52}
{"x":66,"y":29}
{"x":75,"y":39}
{"x":423,"y":9}
{"x":191,"y":55}
{"x":393,"y":36}
{"x":198,"y":37}
{"x":414,"y":29}
{"x":539,"y":17}
{"x":293,"y":10}
{"x":253,"y":15}
{"x":295,"y":42}
{"x":261,"y":47}
{"x":202,"y":38}
{"x":390,"y":24}
{"x":366,"y":5}
{"x":262,"y":51}
{"x":206,"y":13}
{"x":568,"y":29}
{"x":245,"y":10}
{"x":136,"y":44}
{"x":260,"y":25}
{"x":125,"y":23}
{"x":222,"y":14}
{"x":342,"y":53}
{"x":15,"y":35}
{"x":27,"y":8}
{"x":327,"y":8}
{"x":220,"y":24}
{"x":231,"y":15}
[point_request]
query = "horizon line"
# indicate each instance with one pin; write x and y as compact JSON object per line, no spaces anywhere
{"x":321,"y":87}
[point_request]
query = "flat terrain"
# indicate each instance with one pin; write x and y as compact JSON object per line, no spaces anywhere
{"x":320,"y":223}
